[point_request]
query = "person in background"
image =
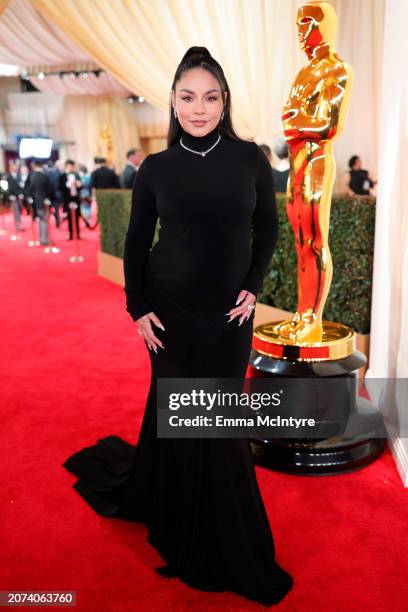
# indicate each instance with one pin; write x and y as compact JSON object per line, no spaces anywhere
{"x":24,"y":180}
{"x":281,"y":169}
{"x":357,"y":181}
{"x":70,"y":186}
{"x":134,"y":159}
{"x":85,"y":193}
{"x":54,"y":174}
{"x":40,"y":189}
{"x":14,"y":189}
{"x":282,"y":166}
{"x":103,"y":177}
{"x":267,"y":150}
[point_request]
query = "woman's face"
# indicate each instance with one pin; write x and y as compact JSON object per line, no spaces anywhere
{"x":198,"y":101}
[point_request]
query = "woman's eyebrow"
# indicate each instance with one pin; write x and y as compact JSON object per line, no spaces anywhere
{"x":207,"y":92}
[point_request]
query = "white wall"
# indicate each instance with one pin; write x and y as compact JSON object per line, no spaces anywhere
{"x":389,"y":320}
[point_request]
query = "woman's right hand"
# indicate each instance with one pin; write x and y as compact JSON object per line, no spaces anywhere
{"x":146,"y":330}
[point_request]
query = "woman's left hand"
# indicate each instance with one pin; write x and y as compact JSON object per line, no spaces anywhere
{"x":242,"y":311}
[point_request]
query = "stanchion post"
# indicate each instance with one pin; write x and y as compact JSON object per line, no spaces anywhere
{"x":34,"y":225}
{"x":51,"y":248}
{"x":3,"y":231}
{"x":72,"y":211}
{"x":20,"y":198}
{"x":14,"y":204}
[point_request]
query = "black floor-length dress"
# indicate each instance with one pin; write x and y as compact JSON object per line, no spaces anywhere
{"x":199,"y":498}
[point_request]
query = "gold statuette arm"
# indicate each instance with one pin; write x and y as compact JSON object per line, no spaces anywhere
{"x":317,"y":116}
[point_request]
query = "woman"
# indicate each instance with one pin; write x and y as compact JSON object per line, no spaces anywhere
{"x":357,"y":181}
{"x":198,"y":497}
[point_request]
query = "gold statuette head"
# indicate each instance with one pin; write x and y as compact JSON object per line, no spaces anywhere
{"x":317,"y":25}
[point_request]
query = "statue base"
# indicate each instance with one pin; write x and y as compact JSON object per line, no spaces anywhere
{"x":363,"y":438}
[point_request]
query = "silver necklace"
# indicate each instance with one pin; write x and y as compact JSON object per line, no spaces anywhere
{"x":203,"y":153}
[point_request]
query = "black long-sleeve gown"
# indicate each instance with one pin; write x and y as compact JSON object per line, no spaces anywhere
{"x":199,"y":498}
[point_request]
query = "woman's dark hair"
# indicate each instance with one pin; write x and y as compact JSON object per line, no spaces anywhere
{"x":200,"y":57}
{"x":352,"y":161}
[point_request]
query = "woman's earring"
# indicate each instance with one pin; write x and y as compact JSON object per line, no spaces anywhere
{"x":222,"y":115}
{"x":175,"y":113}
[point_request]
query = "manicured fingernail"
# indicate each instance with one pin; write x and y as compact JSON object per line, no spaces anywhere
{"x":240,"y":322}
{"x":161,"y":326}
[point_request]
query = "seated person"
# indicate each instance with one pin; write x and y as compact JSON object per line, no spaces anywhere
{"x":281,"y":168}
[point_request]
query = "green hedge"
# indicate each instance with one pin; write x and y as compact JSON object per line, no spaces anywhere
{"x":352,"y":223}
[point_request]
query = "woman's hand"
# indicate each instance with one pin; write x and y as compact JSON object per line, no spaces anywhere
{"x":245,"y":309}
{"x":146,"y":330}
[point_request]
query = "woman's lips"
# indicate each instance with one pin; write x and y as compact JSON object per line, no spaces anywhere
{"x":199,"y":123}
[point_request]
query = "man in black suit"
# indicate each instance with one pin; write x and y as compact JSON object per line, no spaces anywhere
{"x":40,"y":188}
{"x":134,"y":158}
{"x":70,"y":186}
{"x":54,"y":173}
{"x":103,"y":177}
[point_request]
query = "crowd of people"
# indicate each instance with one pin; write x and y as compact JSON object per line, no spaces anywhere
{"x":39,"y":185}
{"x":40,"y":188}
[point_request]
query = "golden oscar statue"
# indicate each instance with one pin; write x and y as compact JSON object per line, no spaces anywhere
{"x":306,"y":347}
{"x":106,"y":144}
{"x":312,"y":118}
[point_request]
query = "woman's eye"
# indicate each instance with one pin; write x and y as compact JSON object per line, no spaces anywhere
{"x":188,"y":98}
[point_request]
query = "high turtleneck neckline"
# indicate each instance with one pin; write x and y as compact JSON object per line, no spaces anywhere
{"x":200,"y":143}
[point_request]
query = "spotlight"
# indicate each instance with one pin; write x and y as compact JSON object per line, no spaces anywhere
{"x":140,"y":99}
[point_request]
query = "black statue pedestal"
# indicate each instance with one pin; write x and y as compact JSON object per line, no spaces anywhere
{"x":360,"y":443}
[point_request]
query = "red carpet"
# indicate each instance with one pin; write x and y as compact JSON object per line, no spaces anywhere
{"x":74,"y":369}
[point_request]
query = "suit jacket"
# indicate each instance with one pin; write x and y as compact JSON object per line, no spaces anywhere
{"x":67,"y":197}
{"x":40,"y":188}
{"x":104,"y":178}
{"x":54,"y":175}
{"x":128,"y":176}
{"x":13,"y":185}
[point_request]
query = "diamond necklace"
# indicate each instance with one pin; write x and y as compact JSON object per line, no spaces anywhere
{"x":203,"y":153}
